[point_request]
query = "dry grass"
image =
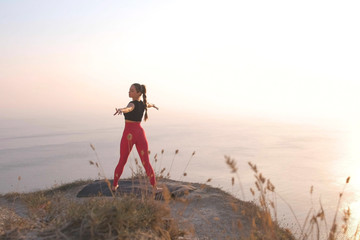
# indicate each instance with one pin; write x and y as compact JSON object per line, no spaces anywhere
{"x":265,"y":216}
{"x":53,"y":215}
{"x":314,"y":226}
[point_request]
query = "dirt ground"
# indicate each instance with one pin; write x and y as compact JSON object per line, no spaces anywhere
{"x":210,"y":213}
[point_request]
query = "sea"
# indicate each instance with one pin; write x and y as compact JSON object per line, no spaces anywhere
{"x":307,"y":163}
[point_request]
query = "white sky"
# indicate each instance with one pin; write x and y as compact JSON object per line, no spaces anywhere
{"x":285,"y":59}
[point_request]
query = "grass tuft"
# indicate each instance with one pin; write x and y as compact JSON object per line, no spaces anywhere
{"x":52,"y":215}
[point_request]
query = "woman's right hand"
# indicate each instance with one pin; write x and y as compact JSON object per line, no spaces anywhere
{"x":117,"y":111}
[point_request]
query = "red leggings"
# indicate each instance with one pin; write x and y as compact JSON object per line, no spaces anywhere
{"x":134,"y":134}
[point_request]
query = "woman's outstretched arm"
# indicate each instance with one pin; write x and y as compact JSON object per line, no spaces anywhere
{"x":129,"y":108}
{"x":151,"y":105}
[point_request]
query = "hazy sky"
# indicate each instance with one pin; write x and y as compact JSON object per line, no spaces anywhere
{"x":297,"y":59}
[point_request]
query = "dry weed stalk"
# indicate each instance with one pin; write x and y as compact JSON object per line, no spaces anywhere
{"x":232,"y":164}
{"x":154,"y":162}
{"x":333,"y":231}
{"x":315,"y":223}
{"x":161,"y":157}
{"x":172,"y":162}
{"x":312,"y":226}
{"x":101,"y":172}
{"x":184,"y":174}
{"x":267,"y":204}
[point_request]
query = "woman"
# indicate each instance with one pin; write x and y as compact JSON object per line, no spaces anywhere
{"x":134,"y":133}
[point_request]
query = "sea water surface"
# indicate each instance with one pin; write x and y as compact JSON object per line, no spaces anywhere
{"x":295,"y":157}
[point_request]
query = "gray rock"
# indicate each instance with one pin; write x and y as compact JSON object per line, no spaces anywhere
{"x":136,"y":186}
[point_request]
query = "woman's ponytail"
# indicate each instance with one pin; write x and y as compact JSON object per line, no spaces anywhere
{"x":143,"y":91}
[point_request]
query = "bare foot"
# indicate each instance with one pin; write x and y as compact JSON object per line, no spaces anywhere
{"x":114,"y":188}
{"x":157,"y":190}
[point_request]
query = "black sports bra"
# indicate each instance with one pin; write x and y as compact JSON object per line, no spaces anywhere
{"x":137,"y":113}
